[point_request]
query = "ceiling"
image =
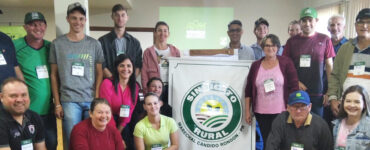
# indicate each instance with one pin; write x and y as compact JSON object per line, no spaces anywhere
{"x":50,"y":3}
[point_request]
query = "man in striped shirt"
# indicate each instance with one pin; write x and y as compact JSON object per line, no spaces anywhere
{"x":352,"y":64}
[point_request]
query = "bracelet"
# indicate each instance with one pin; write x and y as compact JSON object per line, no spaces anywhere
{"x":57,"y":106}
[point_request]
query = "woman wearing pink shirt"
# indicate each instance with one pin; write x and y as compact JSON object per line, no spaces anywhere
{"x":269,"y":83}
{"x":121,"y":92}
{"x":155,"y":62}
{"x":352,"y":128}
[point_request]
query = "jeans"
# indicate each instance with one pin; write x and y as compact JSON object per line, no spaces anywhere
{"x":50,"y":127}
{"x":317,"y":106}
{"x":74,"y":112}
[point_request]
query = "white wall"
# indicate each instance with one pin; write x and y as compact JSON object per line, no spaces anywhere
{"x":323,"y":3}
{"x":16,"y":17}
{"x":145,"y":13}
{"x":279,"y":13}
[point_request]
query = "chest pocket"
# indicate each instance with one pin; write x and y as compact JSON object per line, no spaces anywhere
{"x":360,"y":140}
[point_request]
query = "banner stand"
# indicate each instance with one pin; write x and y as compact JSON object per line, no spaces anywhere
{"x":207,"y":98}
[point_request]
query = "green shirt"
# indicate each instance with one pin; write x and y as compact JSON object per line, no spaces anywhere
{"x":30,"y":60}
{"x":153,"y":137}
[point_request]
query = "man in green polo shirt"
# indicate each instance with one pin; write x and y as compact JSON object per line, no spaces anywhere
{"x":32,"y":53}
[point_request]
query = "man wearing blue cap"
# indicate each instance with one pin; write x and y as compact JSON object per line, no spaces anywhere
{"x":297,"y":128}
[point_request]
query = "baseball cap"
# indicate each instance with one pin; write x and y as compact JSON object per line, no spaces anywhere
{"x":308,"y":12}
{"x":364,"y":13}
{"x":32,"y":16}
{"x":260,"y":21}
{"x":76,"y":6}
{"x":299,"y":97}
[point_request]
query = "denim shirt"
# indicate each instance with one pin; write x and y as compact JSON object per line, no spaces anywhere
{"x":358,"y":139}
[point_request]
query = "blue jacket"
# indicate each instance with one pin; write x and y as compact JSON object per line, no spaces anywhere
{"x":359,"y":138}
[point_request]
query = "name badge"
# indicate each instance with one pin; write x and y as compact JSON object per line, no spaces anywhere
{"x":120,"y":52}
{"x":27,"y":144}
{"x":156,"y":147}
{"x":124,"y":111}
{"x":42,"y":72}
{"x":269,"y":85}
{"x":78,"y":69}
{"x":359,"y":68}
{"x":341,"y":148}
{"x":296,"y":146}
{"x":305,"y":61}
{"x":2,"y":60}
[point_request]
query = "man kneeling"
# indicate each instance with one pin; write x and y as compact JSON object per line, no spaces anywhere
{"x":297,"y":128}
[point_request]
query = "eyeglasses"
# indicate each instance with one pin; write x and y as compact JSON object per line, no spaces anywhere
{"x":268,"y":46}
{"x":301,"y":108}
{"x":235,"y":30}
{"x":361,"y":23}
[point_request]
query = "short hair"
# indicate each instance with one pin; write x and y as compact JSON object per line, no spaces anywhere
{"x":11,"y":80}
{"x":293,"y":23}
{"x":154,"y":79}
{"x":260,"y":21}
{"x":237,"y":22}
{"x":274,"y":39}
{"x":355,"y":88}
{"x":159,"y":23}
{"x":118,"y":7}
{"x":336,"y":16}
{"x":150,"y":94}
{"x":97,"y":101}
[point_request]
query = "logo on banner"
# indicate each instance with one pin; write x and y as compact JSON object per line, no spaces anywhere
{"x":211,"y":114}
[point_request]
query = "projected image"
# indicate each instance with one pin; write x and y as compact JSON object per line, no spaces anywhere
{"x":197,"y":27}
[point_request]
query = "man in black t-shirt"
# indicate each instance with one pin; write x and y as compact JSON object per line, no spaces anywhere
{"x":20,"y":128}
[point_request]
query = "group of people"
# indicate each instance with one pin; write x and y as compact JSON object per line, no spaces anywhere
{"x":287,"y":93}
{"x":64,"y":79}
{"x":91,"y":85}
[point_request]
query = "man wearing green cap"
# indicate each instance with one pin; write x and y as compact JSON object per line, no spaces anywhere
{"x":311,"y":52}
{"x":32,"y":52}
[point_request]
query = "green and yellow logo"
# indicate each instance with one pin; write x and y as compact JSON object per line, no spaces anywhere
{"x":211,"y":114}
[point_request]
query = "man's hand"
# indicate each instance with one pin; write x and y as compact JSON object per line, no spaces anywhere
{"x":302,"y":86}
{"x":334,"y":107}
{"x":325,"y":101}
{"x":248,"y":117}
{"x":59,"y":111}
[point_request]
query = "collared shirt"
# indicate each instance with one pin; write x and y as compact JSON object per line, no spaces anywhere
{"x":336,"y":47}
{"x":7,"y":54}
{"x":12,"y":133}
{"x":258,"y":51}
{"x":30,"y":60}
{"x":315,"y":133}
{"x":306,"y":123}
{"x":244,"y":52}
{"x":120,"y":48}
{"x":133,"y":49}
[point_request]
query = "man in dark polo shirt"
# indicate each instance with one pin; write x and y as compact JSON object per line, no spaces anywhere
{"x":298,"y":129}
{"x":310,"y":52}
{"x":8,"y":63}
{"x":20,"y":128}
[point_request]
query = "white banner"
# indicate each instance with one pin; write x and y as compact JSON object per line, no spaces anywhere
{"x":208,"y":104}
